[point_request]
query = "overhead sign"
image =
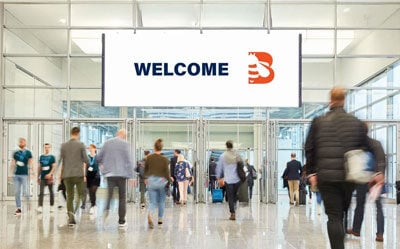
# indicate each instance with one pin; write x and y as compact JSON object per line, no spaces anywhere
{"x":216,"y":68}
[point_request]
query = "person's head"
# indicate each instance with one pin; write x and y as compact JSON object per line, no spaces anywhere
{"x":229,"y":144}
{"x":146,"y":153}
{"x":337,"y":97}
{"x":21,"y":142}
{"x":158,"y":145}
{"x":212,"y":159}
{"x":181,"y":158}
{"x":92,"y":149}
{"x":293,"y":155}
{"x":47,"y":148}
{"x":75,"y":132}
{"x":121,"y":134}
{"x":177,"y":152}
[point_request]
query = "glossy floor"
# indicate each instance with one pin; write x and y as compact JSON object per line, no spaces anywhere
{"x":193,"y":226}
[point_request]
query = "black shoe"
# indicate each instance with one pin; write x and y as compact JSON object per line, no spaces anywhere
{"x":72,"y":223}
{"x":18,"y":212}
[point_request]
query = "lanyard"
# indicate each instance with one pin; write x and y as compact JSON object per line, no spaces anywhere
{"x":91,"y":160}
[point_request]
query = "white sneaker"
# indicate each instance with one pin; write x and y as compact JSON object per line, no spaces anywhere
{"x":40,"y":209}
{"x":51,"y":209}
{"x":122,"y":225}
{"x":92,"y":210}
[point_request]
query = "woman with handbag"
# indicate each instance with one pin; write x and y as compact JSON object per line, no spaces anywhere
{"x":182,"y":175}
{"x":92,"y":177}
{"x":157,"y":176}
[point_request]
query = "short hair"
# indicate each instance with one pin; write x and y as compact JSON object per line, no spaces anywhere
{"x":75,"y":131}
{"x":22,"y":139}
{"x":146,"y":152}
{"x":229,"y":144}
{"x":293,"y":155}
{"x":212,"y":158}
{"x":158,"y":145}
{"x":47,"y":144}
{"x":93,"y":146}
{"x":337,"y":94}
{"x":178,"y":151}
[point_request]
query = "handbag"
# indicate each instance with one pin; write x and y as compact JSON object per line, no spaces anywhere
{"x":359,"y":166}
{"x":187,"y":173}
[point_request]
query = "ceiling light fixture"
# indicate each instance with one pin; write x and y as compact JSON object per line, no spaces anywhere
{"x":346,"y":10}
{"x":62,"y":20}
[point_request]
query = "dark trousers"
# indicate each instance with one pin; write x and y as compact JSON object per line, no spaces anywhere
{"x":250,"y":191}
{"x":175,"y":191}
{"x":142,"y":189}
{"x":41,"y":193}
{"x":120,"y":183}
{"x":232,"y":191}
{"x":92,"y":194}
{"x":337,"y":199}
{"x":70,"y":184}
{"x":362,"y":190}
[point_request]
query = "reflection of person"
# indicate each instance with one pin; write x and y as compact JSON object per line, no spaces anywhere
{"x":329,"y":137}
{"x":157,"y":176}
{"x":74,"y":160}
{"x":227,"y":166}
{"x":175,"y":187}
{"x":116,"y":165}
{"x":293,"y":176}
{"x":21,"y":165}
{"x":142,"y":185}
{"x":93,"y":177}
{"x":47,"y":166}
{"x":380,"y":167}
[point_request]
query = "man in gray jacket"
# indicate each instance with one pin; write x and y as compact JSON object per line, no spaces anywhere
{"x":117,"y":166}
{"x":74,"y":159}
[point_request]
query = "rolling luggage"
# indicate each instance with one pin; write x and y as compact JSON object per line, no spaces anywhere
{"x":302,"y":197}
{"x":243,"y":192}
{"x":217,"y":194}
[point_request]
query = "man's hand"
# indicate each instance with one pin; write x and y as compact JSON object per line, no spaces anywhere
{"x":172,"y":179}
{"x":313,"y":180}
{"x":84,"y":179}
{"x":378,"y":179}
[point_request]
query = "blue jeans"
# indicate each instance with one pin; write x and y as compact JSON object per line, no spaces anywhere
{"x":319,"y":198}
{"x":20,"y":185}
{"x":157,"y":198}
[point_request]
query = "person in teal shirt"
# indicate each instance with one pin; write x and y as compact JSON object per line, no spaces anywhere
{"x":21,"y":165}
{"x":47,"y":166}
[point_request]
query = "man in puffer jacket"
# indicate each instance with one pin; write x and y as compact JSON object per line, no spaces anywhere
{"x":329,"y":138}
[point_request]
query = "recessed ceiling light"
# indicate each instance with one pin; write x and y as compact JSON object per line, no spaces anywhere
{"x":62,"y":20}
{"x":346,"y":9}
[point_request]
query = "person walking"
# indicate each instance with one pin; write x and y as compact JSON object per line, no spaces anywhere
{"x":117,"y":167}
{"x":46,"y":168}
{"x":293,"y":176}
{"x":212,"y":167}
{"x":93,"y":177}
{"x":21,"y":166}
{"x":73,"y":171}
{"x":380,"y":167}
{"x":157,"y":177}
{"x":182,"y":173}
{"x":329,"y":138}
{"x":142,"y":185}
{"x":175,"y":187}
{"x":227,"y":168}
{"x":251,"y":175}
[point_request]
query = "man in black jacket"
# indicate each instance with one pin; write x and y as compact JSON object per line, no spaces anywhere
{"x":329,"y":138}
{"x":175,"y":188}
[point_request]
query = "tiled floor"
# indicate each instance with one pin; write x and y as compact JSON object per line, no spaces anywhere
{"x":195,"y":226}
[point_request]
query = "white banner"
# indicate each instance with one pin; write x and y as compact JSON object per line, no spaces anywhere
{"x":216,"y":68}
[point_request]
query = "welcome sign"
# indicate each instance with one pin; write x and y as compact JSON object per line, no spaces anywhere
{"x":216,"y":68}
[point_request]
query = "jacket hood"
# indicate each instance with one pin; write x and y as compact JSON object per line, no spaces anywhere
{"x":230,"y":157}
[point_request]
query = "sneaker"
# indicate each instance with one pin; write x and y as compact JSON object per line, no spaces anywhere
{"x":72,"y":223}
{"x":40,"y":209}
{"x":91,"y":210}
{"x":71,"y":219}
{"x":160,"y":221}
{"x":18,"y":212}
{"x":122,"y":224}
{"x":143,"y":205}
{"x":51,"y":209}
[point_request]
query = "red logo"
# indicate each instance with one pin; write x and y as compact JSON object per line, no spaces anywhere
{"x":260,"y":71}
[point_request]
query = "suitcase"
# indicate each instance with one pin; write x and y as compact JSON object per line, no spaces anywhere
{"x":243,"y":192}
{"x":217,"y":195}
{"x":302,"y":197}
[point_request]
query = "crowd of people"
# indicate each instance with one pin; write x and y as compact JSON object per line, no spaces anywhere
{"x":332,"y":142}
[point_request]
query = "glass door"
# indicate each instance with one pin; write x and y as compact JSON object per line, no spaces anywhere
{"x":36,"y":133}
